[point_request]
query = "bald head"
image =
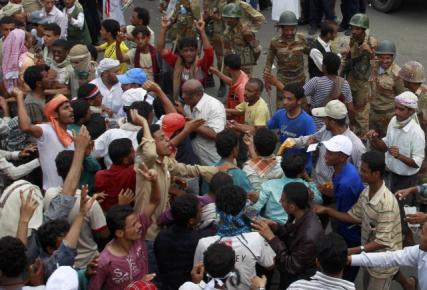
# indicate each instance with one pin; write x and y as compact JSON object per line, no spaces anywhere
{"x":192,"y":92}
{"x":192,"y":87}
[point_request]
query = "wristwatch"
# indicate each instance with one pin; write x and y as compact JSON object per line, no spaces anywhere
{"x":362,"y":248}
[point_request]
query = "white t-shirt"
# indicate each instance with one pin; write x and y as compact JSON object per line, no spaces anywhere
{"x":94,"y":221}
{"x":10,"y":206}
{"x":49,"y":146}
{"x":250,"y":248}
{"x":102,"y":142}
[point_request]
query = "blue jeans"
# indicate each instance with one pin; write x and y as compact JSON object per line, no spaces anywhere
{"x":254,"y":3}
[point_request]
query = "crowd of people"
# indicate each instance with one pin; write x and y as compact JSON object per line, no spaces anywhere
{"x":119,"y":171}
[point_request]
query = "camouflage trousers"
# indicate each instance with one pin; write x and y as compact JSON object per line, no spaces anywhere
{"x":360,"y":90}
{"x":379,"y":119}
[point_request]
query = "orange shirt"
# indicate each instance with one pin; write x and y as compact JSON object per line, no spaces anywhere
{"x":236,"y":95}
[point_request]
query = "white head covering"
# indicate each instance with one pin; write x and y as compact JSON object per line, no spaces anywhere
{"x":106,"y":64}
{"x":407,"y":99}
{"x":64,"y":278}
{"x":136,"y":95}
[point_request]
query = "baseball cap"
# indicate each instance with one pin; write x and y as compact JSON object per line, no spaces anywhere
{"x":339,"y":143}
{"x":133,"y":76}
{"x":135,"y":95}
{"x":64,"y":278}
{"x":171,"y":123}
{"x":334,"y":109}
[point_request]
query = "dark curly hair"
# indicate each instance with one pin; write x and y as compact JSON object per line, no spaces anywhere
{"x":49,"y":232}
{"x":184,"y":208}
{"x":231,"y":199}
{"x":13,"y":258}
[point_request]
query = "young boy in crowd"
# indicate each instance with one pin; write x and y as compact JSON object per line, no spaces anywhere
{"x":120,"y":175}
{"x":125,"y":259}
{"x":143,"y":56}
{"x":51,"y":32}
{"x":186,"y":65}
{"x":64,"y":71}
{"x":236,"y":83}
{"x":110,"y":28}
{"x":78,"y":31}
{"x":140,"y":16}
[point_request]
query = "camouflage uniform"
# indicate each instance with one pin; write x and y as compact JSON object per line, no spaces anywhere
{"x":384,"y":88}
{"x":215,"y":26}
{"x":289,"y":56}
{"x":186,"y":12}
{"x":241,"y":40}
{"x":252,"y":18}
{"x":357,"y":67}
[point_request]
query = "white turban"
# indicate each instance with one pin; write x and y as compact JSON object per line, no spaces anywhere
{"x":136,"y":95}
{"x":107,"y":64}
{"x":407,"y":99}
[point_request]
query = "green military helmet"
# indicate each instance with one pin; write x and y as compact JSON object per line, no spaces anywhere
{"x":232,"y":10}
{"x":412,"y":72}
{"x":360,"y":20}
{"x":287,"y":18}
{"x":386,"y":47}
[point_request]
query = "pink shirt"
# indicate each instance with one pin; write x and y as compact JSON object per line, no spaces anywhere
{"x":116,"y":273}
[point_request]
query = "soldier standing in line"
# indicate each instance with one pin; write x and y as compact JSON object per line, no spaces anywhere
{"x":239,"y":39}
{"x":412,"y":74}
{"x":357,"y":69}
{"x":251,"y":17}
{"x":287,"y":49}
{"x":385,"y":86}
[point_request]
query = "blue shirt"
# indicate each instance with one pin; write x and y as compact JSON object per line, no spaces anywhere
{"x":271,"y":193}
{"x":238,"y":175}
{"x":347,"y":187}
{"x":302,"y":125}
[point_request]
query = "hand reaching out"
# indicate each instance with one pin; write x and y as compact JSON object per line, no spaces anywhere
{"x":86,"y":201}
{"x":137,"y":119}
{"x":197,"y":273}
{"x":82,"y":140}
{"x":149,"y":174}
{"x":28,"y":150}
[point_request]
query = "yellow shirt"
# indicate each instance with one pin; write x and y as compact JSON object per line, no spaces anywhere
{"x":110,"y":52}
{"x":255,"y":115}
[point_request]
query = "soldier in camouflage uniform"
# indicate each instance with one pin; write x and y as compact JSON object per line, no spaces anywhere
{"x":412,"y":74}
{"x":251,"y":18}
{"x":287,"y":49}
{"x":357,"y":69}
{"x":182,"y":20}
{"x":239,"y":39}
{"x":385,"y":86}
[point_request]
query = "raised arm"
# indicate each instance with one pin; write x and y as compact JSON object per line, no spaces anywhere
{"x":166,"y":102}
{"x":155,"y":196}
{"x":23,"y":119}
{"x":28,"y":207}
{"x":161,"y":39}
{"x":200,"y":25}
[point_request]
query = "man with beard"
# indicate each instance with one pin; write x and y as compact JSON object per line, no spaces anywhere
{"x":52,"y":137}
{"x":357,"y":69}
{"x":109,"y":86}
{"x":287,"y":49}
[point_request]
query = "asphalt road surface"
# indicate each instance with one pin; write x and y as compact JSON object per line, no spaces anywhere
{"x":407,"y":27}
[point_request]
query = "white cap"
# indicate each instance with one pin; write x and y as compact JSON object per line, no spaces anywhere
{"x":135,"y":95}
{"x":339,"y":143}
{"x":64,"y":278}
{"x":107,"y":64}
{"x":334,"y":109}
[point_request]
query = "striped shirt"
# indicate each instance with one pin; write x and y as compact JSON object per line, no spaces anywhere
{"x":380,"y":219}
{"x":321,"y":281}
{"x":317,"y":91}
